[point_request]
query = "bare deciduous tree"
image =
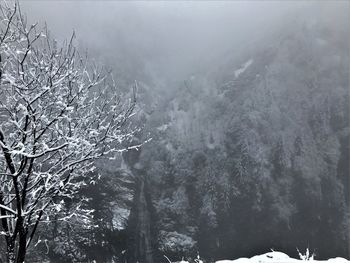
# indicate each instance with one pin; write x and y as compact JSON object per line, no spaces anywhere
{"x":57,"y":115}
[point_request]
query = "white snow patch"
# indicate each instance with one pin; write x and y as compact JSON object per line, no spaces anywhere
{"x":120,"y":215}
{"x":279,"y":257}
{"x":210,"y":146}
{"x":163,"y":127}
{"x":243,"y":68}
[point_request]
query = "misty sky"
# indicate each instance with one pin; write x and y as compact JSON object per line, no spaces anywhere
{"x":168,"y":39}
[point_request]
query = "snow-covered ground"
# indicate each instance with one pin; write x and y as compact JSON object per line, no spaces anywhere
{"x":273,"y":257}
{"x":279,"y":257}
{"x":243,"y":68}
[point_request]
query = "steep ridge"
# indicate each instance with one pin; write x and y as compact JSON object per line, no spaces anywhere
{"x":251,"y":156}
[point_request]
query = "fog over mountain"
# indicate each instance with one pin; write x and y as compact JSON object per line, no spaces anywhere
{"x":242,"y":113}
{"x":170,"y":39}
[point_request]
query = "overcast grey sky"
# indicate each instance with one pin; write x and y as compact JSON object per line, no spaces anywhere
{"x":169,"y":38}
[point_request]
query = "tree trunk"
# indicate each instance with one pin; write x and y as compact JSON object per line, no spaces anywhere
{"x":11,"y":256}
{"x":18,"y":256}
{"x":22,"y":249}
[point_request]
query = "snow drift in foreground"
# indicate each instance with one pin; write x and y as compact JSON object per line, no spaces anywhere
{"x":279,"y":257}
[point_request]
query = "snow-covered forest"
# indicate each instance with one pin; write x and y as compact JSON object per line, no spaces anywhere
{"x":173,"y":131}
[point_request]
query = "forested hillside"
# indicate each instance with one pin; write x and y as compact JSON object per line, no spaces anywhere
{"x":233,"y":152}
{"x":254,"y":155}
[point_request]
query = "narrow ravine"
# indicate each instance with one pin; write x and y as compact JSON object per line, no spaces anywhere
{"x":139,"y":245}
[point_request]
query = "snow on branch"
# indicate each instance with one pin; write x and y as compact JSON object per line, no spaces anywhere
{"x":58,"y":114}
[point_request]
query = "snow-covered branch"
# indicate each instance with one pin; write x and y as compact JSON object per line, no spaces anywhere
{"x":58,"y":114}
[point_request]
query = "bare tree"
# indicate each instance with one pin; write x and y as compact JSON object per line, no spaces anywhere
{"x":57,"y":115}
